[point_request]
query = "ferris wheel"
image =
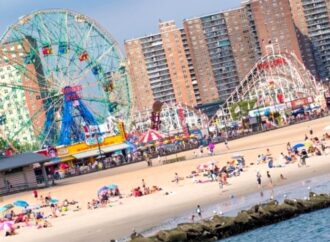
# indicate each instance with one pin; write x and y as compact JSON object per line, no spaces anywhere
{"x":61,"y":77}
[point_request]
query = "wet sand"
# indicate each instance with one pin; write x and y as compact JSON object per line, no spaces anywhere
{"x":148,"y":211}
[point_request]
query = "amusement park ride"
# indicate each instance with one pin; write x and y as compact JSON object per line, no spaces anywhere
{"x":61,"y":77}
{"x":169,"y":119}
{"x":278,"y":81}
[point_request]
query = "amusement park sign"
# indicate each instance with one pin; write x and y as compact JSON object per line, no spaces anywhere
{"x":301,"y":102}
{"x":270,"y":64}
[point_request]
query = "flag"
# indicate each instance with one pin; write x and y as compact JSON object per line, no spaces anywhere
{"x":47,"y":50}
{"x":237,"y":109}
{"x":83,"y":56}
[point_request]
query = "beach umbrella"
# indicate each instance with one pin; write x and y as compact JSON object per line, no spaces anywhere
{"x":5,"y":208}
{"x":102,"y":190}
{"x":112,"y":186}
{"x":150,"y":136}
{"x":6,"y":225}
{"x":53,"y":201}
{"x":298,"y":146}
{"x":21,"y":203}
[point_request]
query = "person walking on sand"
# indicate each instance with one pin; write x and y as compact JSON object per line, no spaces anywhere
{"x":35,"y":194}
{"x":176,"y":178}
{"x":220,"y":181}
{"x":303,"y":157}
{"x":259,"y":179}
{"x":311,"y":131}
{"x":226,"y":143}
{"x":270,"y":179}
{"x":143,"y":183}
{"x":199,"y":211}
{"x":268,"y":153}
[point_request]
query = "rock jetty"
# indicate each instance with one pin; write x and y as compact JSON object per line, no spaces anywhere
{"x":220,"y":227}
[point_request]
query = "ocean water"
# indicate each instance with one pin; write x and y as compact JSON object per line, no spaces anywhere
{"x":310,"y":227}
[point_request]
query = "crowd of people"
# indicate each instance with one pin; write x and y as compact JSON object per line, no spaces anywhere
{"x":38,"y":215}
{"x":49,"y":207}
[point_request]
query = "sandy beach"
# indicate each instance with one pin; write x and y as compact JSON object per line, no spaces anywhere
{"x":145,"y":212}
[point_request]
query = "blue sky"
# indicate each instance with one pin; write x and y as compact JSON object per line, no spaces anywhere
{"x":124,"y":19}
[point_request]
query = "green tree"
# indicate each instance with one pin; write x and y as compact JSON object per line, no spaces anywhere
{"x":241,"y":108}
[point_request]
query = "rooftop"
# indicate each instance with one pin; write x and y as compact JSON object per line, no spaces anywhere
{"x":21,"y":160}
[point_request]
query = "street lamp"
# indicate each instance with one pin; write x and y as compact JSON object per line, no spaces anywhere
{"x":99,"y":149}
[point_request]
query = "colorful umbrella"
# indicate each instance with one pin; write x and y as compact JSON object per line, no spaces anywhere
{"x":297,"y":146}
{"x":53,"y":201}
{"x":21,"y":203}
{"x":112,"y":186}
{"x":5,"y":208}
{"x":150,"y":136}
{"x":102,"y":189}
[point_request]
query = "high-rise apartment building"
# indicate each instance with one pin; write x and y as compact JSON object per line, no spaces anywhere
{"x":159,"y":68}
{"x":243,"y":38}
{"x":213,"y":53}
{"x":312,"y":21}
{"x":21,"y":102}
{"x":274,"y":24}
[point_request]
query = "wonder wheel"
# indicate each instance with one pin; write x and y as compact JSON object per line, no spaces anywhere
{"x":61,"y":77}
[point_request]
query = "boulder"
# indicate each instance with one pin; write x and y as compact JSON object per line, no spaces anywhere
{"x":243,"y":218}
{"x":322,"y":199}
{"x":141,"y":239}
{"x":193,"y":230}
{"x":174,"y":235}
{"x":283,"y":211}
{"x":223,"y":226}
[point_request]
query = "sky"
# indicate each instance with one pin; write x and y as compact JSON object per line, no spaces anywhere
{"x":124,"y":19}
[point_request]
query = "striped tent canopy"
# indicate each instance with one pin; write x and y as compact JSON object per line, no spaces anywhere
{"x":151,"y":136}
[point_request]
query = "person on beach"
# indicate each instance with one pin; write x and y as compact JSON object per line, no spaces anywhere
{"x":143,"y":183}
{"x":259,"y":179}
{"x":269,"y":179}
{"x":176,"y":178}
{"x":288,"y":147}
{"x":35,"y":194}
{"x":226,"y":144}
{"x":268,"y":153}
{"x":303,"y":157}
{"x":199,"y":211}
{"x":220,"y":181}
{"x":201,"y":151}
{"x":193,"y":218}
{"x":311,"y":131}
